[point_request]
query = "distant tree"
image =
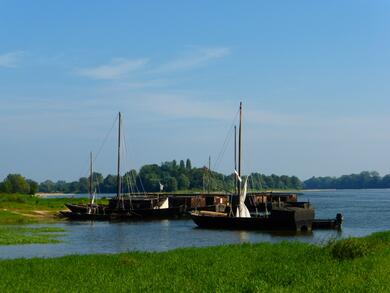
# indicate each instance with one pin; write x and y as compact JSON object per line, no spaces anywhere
{"x":6,"y":186}
{"x":83,"y":185}
{"x":109,"y":184}
{"x":295,"y":183}
{"x":188,"y":165}
{"x":170,"y":184}
{"x":269,"y":180}
{"x":130,"y":181}
{"x":196,"y":178}
{"x":47,"y":186}
{"x":150,"y":177}
{"x":74,"y":187}
{"x":364,"y":179}
{"x":33,"y":186}
{"x":183,"y":182}
{"x":385,"y":181}
{"x":61,"y":186}
{"x":15,"y":183}
{"x":97,"y":178}
{"x":285,"y":182}
{"x":182,"y":166}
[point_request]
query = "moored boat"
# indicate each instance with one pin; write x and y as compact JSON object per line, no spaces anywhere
{"x":119,"y":207}
{"x":291,"y":216}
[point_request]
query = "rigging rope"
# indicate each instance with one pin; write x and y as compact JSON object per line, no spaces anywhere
{"x":225,"y":143}
{"x":133,"y":178}
{"x":221,"y":155}
{"x":85,"y":170}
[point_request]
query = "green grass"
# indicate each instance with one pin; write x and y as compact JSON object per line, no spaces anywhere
{"x":26,"y":209}
{"x":24,"y":235}
{"x":264,"y":267}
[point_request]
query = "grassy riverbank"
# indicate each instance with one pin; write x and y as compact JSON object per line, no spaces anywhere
{"x":28,"y":209}
{"x":351,"y":265}
{"x":26,"y":235}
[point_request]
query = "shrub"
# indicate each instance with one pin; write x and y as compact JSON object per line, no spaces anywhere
{"x":349,"y":248}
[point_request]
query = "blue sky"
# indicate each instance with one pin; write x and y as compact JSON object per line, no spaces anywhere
{"x":313,"y":77}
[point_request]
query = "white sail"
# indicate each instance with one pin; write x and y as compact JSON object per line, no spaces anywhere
{"x":165,"y":204}
{"x":242,"y":210}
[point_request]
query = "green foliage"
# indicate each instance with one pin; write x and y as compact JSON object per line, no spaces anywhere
{"x":183,"y":182}
{"x":364,"y":179}
{"x":262,"y":267}
{"x":173,"y":176}
{"x":349,"y":248}
{"x":33,"y":186}
{"x":170,"y":184}
{"x":188,"y":165}
{"x":15,"y":183}
{"x":83,"y":186}
{"x":47,"y":186}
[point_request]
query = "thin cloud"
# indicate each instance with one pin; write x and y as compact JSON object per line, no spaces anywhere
{"x":11,"y":59}
{"x":193,"y":59}
{"x":131,"y":70}
{"x":118,"y":68}
{"x":152,"y":83}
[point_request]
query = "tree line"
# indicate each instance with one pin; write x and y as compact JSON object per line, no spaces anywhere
{"x":364,"y":179}
{"x":172,"y":176}
{"x":168,"y":176}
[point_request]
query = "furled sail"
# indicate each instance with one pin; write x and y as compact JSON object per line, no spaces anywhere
{"x":242,"y":210}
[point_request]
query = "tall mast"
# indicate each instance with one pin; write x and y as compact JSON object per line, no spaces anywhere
{"x":209,"y":176}
{"x":90,"y":176}
{"x":235,"y":158}
{"x":118,"y":194}
{"x":240,"y":150}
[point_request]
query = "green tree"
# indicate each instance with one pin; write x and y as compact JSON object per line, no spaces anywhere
{"x":188,"y":165}
{"x":33,"y":186}
{"x":170,"y":184}
{"x":109,"y":184}
{"x":130,"y":181}
{"x":182,"y":166}
{"x":196,"y":178}
{"x":61,"y":186}
{"x":183,"y":182}
{"x":15,"y":183}
{"x":74,"y":187}
{"x":47,"y":186}
{"x":83,"y":185}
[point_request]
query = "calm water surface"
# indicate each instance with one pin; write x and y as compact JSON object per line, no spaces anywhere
{"x":365,"y":211}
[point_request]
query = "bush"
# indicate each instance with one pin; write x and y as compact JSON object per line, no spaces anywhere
{"x":349,"y":248}
{"x":13,"y":198}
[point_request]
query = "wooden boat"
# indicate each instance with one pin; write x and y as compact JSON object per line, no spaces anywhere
{"x":119,"y":207}
{"x":329,"y":223}
{"x":291,"y":216}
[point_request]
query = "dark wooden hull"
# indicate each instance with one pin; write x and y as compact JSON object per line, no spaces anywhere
{"x":280,"y":219}
{"x":84,"y":216}
{"x":174,"y":212}
{"x":119,"y":215}
{"x":77,"y":208}
{"x":326,"y":224}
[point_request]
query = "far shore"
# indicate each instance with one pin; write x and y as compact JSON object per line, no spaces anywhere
{"x":44,"y":194}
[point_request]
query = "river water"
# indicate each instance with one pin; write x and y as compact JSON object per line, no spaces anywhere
{"x":364,"y":211}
